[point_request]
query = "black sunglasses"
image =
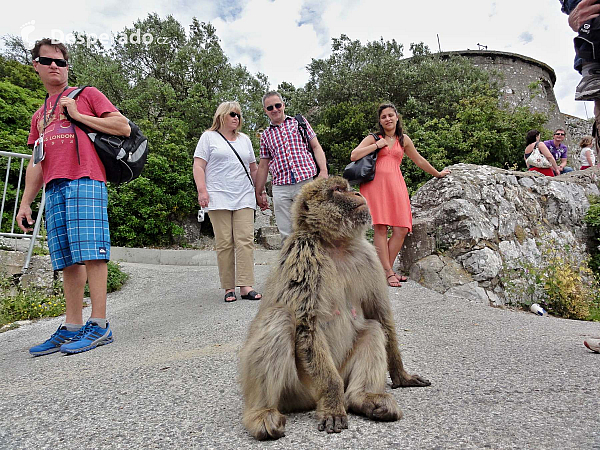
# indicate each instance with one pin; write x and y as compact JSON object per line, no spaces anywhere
{"x":47,"y":61}
{"x":559,"y":134}
{"x":276,"y":105}
{"x":234,"y":114}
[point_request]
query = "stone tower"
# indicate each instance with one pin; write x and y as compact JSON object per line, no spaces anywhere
{"x":518,"y":74}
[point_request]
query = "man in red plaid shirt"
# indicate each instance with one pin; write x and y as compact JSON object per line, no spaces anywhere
{"x":286,"y":156}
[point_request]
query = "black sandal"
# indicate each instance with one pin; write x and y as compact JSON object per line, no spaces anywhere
{"x":401,"y":278}
{"x":252,"y":295}
{"x":230,"y":297}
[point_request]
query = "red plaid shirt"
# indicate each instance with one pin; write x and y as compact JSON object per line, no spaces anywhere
{"x":287,"y":151}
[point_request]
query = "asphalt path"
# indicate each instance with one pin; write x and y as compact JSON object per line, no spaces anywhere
{"x":500,"y":378}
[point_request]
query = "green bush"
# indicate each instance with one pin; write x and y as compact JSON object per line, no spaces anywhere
{"x":18,"y":303}
{"x":562,"y":284}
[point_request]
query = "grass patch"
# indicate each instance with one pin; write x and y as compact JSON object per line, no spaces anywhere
{"x":19,"y":303}
{"x":562,"y":284}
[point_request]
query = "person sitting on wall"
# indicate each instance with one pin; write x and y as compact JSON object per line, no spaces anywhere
{"x":559,"y":150}
{"x":531,"y":141}
{"x":587,"y":158}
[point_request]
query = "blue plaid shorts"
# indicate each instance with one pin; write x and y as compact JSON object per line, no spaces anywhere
{"x":77,"y":221}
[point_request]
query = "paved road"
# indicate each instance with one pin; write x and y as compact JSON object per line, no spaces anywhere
{"x":501,"y":378}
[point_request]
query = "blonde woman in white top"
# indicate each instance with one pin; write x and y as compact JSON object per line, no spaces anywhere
{"x":586,"y":157}
{"x":226,"y":191}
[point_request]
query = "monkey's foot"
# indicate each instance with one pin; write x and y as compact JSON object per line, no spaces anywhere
{"x":332,"y":421}
{"x":265,"y":423}
{"x":407,"y":380}
{"x":381,"y":407}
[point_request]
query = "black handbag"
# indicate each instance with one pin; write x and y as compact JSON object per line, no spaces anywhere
{"x":363,"y":169}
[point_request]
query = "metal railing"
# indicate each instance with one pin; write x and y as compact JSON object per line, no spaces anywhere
{"x":14,"y":229}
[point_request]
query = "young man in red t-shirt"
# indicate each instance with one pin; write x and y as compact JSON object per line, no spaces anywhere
{"x":76,"y":197}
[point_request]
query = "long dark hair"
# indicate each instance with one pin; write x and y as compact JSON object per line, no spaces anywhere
{"x":531,"y":137}
{"x":398,"y":132}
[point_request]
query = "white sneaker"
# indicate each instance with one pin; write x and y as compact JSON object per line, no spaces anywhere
{"x":593,"y":345}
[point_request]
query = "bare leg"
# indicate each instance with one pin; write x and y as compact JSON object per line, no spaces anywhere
{"x":380,"y":241}
{"x":97,"y":273}
{"x":395,"y":243}
{"x":74,"y":278}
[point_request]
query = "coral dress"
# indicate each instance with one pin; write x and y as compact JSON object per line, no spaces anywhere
{"x":387,"y":195}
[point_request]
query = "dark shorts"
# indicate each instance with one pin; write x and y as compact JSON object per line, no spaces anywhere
{"x":77,"y":221}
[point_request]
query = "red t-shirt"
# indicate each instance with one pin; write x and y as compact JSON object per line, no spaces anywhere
{"x":59,"y":138}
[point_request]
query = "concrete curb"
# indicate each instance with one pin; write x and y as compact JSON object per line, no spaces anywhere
{"x":181,"y":257}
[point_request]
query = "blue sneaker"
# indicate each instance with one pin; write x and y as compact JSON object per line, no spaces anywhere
{"x":89,"y":336}
{"x":52,"y":345}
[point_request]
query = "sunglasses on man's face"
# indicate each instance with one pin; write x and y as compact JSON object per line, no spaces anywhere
{"x":559,"y":134}
{"x":234,"y":114}
{"x":276,"y":105}
{"x":48,"y":61}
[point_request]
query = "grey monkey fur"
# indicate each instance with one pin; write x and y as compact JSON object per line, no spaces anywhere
{"x":324,"y":335}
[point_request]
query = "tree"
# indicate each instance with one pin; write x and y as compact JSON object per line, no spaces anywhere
{"x":170,"y":85}
{"x":451,"y":109}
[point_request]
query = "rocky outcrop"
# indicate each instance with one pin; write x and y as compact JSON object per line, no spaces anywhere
{"x":481,"y":220}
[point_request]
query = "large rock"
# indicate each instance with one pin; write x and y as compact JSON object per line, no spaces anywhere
{"x":479,"y":221}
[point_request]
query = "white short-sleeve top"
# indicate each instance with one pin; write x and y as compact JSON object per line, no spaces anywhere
{"x":583,"y":160}
{"x":227,"y":184}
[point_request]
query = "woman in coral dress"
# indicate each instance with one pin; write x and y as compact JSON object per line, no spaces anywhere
{"x":387,"y":195}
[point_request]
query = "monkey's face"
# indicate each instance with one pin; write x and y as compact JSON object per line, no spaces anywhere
{"x":331,"y":209}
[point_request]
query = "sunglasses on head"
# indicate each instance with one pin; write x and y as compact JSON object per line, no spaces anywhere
{"x":47,"y":61}
{"x":559,"y":134}
{"x":276,"y":105}
{"x":234,"y":114}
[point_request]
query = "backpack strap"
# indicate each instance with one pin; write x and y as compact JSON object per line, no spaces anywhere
{"x":74,"y":94}
{"x":303,"y":129}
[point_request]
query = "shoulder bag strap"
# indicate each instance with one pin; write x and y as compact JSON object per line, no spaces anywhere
{"x":238,"y":156}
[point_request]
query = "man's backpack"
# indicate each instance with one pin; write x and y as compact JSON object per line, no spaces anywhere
{"x":303,"y":130}
{"x":123,"y":157}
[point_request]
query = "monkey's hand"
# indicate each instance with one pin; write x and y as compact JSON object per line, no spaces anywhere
{"x":406,"y":380}
{"x":332,"y":421}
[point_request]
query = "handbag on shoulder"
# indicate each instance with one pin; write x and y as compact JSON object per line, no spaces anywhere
{"x":537,"y":159}
{"x":363,"y":169}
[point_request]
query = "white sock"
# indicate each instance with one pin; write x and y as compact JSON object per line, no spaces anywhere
{"x":100,"y":322}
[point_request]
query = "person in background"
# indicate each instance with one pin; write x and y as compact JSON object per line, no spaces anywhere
{"x":285,"y":154}
{"x":532,"y":139}
{"x":225,"y":189}
{"x":387,"y":195}
{"x":559,"y":150}
{"x":587,"y":158}
{"x":76,"y":197}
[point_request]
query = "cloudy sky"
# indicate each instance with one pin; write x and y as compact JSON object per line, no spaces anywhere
{"x":279,"y":37}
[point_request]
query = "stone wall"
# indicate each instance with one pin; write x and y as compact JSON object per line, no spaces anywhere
{"x":481,"y":220}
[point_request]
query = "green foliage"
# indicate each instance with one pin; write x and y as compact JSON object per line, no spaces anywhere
{"x":451,"y":109}
{"x":171,"y":88}
{"x":21,"y":94}
{"x":563,"y":284}
{"x":18,"y":303}
{"x":592,"y":218}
